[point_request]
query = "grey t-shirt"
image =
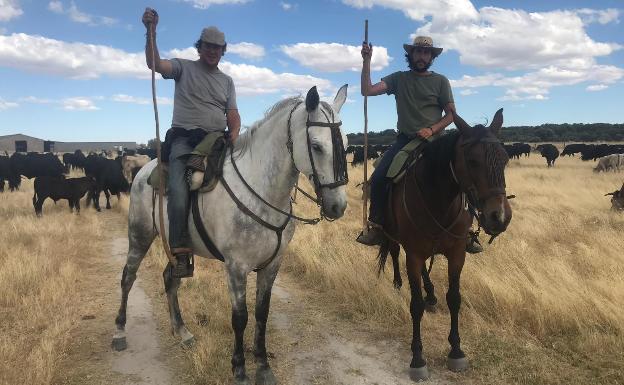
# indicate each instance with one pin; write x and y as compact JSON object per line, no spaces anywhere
{"x":201,"y":96}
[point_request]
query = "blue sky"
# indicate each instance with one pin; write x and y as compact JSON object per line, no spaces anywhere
{"x":75,"y":70}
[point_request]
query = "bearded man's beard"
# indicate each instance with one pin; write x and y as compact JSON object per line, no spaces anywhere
{"x":425,"y":68}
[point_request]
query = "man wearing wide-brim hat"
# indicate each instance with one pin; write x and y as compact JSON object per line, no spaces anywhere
{"x":204,"y":105}
{"x":425,"y":106}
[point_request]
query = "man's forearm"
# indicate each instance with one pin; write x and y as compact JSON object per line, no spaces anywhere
{"x":440,"y":125}
{"x":365,"y":79}
{"x":148,"y":52}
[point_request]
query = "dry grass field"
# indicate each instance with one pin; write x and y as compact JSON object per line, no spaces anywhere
{"x":544,"y":304}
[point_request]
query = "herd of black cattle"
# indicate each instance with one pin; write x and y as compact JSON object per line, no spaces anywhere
{"x":101,"y":175}
{"x":106,"y":175}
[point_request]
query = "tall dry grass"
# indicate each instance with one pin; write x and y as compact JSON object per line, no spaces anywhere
{"x":40,"y":262}
{"x":543,"y":304}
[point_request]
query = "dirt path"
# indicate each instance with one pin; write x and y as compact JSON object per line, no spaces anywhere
{"x":312,"y":345}
{"x":322,"y":349}
{"x":152,"y":357}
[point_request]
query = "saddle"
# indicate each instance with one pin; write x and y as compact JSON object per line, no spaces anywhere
{"x":404,"y":159}
{"x":204,"y":167}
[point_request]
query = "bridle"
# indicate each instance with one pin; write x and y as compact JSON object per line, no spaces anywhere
{"x":496,"y":184}
{"x":341,"y":176}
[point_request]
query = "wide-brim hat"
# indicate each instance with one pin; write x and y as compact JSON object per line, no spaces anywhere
{"x":212,"y":35}
{"x":423,"y":42}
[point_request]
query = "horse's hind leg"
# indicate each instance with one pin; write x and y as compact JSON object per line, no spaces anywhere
{"x":177,"y":323}
{"x":456,"y":358}
{"x":430,"y":298}
{"x":264,"y":284}
{"x":140,"y":236}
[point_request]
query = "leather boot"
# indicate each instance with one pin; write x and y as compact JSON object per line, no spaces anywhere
{"x":184,"y":262}
{"x":473,"y":246}
{"x":373,"y":237}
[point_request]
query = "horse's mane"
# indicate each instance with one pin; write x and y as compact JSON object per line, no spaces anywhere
{"x":243,"y":143}
{"x":441,"y":151}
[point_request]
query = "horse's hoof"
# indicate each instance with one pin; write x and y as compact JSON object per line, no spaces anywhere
{"x":419,"y":374}
{"x":457,"y":364}
{"x":242,"y":381}
{"x":430,"y":308}
{"x":188,"y":343}
{"x":264,"y":376}
{"x":119,"y":344}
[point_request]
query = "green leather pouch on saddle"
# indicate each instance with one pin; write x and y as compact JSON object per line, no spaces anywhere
{"x":406,"y":157}
{"x":212,"y":147}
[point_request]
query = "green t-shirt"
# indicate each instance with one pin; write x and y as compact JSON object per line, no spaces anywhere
{"x":420,"y":100}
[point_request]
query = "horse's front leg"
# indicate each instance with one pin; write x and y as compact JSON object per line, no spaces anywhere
{"x":237,"y":282}
{"x":456,"y":359}
{"x":264,"y":284}
{"x":418,"y":367}
{"x":177,"y":323}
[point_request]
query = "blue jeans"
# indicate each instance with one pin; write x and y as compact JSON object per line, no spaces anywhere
{"x":380,"y":183}
{"x":178,"y":201}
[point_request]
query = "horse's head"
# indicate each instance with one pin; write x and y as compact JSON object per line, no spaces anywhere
{"x":318,"y":149}
{"x":480,"y":169}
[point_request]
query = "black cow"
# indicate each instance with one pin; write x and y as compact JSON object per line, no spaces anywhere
{"x":5,"y":171}
{"x":358,"y":155}
{"x":74,"y":161}
{"x":60,"y":188}
{"x":572,"y":149}
{"x":108,"y":177}
{"x":33,"y":165}
{"x":548,"y":151}
{"x":151,"y":152}
{"x":617,"y":199}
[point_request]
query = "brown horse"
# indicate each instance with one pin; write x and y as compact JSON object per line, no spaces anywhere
{"x":428,"y":215}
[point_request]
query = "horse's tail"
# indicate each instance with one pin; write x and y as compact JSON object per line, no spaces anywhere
{"x":389,"y":246}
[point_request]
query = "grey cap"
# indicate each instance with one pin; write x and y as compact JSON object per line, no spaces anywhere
{"x":212,"y":35}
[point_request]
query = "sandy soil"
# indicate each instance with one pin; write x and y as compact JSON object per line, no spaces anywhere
{"x":311,"y":345}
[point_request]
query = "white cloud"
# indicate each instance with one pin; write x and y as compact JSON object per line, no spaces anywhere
{"x":9,"y":9}
{"x":450,"y":10}
{"x":203,"y":4}
{"x":55,"y":6}
{"x":605,"y":16}
{"x":78,"y":16}
{"x":253,"y":80}
{"x":78,"y":104}
{"x":73,"y":60}
{"x":122,"y":98}
{"x":35,"y":100}
{"x":468,"y":92}
{"x":286,"y":6}
{"x":41,"y":55}
{"x":247,"y":50}
{"x":597,"y":87}
{"x":550,"y":48}
{"x":335,"y":57}
{"x":5,"y":105}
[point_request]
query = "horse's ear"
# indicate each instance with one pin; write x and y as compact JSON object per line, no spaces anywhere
{"x":340,"y":98}
{"x":312,"y":99}
{"x":497,"y":122}
{"x":461,"y":125}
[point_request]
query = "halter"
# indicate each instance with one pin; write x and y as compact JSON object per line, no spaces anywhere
{"x":495,"y":188}
{"x":341,"y":176}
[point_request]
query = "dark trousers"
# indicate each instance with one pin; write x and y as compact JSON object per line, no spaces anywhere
{"x":380,"y":184}
{"x":178,"y":200}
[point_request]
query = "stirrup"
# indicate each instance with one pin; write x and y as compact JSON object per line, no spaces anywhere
{"x":185,"y":263}
{"x":473,"y":246}
{"x":373,"y":237}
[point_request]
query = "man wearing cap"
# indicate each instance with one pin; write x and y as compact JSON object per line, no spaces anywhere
{"x":204,"y":102}
{"x":421,"y":98}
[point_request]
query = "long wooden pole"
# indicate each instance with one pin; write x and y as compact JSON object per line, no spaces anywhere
{"x":161,"y":183}
{"x":365,"y":184}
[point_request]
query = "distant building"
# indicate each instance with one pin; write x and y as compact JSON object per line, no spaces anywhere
{"x":25,"y":143}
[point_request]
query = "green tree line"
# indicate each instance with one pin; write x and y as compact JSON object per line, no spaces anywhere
{"x":566,"y":132}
